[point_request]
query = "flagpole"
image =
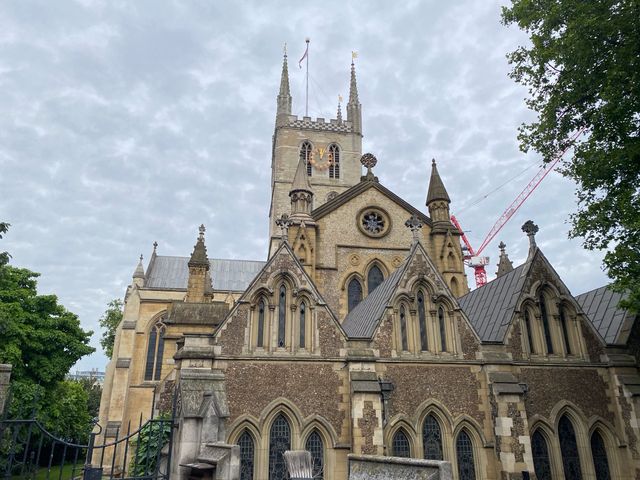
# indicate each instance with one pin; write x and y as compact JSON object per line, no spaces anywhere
{"x":306,"y":104}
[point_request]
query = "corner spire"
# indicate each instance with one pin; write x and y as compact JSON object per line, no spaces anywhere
{"x":284,"y":95}
{"x":301,"y":179}
{"x":139,"y":273}
{"x":339,"y":114}
{"x":301,"y":194}
{"x":504,"y":264}
{"x":199,"y":255}
{"x":354,"y":109}
{"x":353,"y":85}
{"x":436,"y":187}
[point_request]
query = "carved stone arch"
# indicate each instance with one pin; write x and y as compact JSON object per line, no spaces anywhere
{"x":579,"y":423}
{"x":158,"y":317}
{"x":282,"y":406}
{"x":242,"y":423}
{"x":324,"y":429}
{"x":566,"y":407}
{"x":350,"y":276}
{"x":437,"y":409}
{"x":445,"y":301}
{"x":306,"y":294}
{"x":380,"y":264}
{"x":421,"y":280}
{"x":279,"y":277}
{"x":465,"y":421}
{"x":262,"y":292}
{"x":548,"y":434}
{"x":400,"y":423}
{"x":478,"y":442}
{"x":526,"y":299}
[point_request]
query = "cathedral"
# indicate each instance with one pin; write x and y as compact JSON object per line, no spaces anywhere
{"x":359,"y":335}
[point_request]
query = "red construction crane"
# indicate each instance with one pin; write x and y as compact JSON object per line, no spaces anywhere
{"x":472,"y":258}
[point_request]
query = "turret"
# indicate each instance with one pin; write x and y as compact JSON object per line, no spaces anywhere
{"x":301,"y":194}
{"x":199,"y":283}
{"x":438,"y":199}
{"x":354,"y":109}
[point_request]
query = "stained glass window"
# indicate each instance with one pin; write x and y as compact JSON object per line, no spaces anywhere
{"x":527,"y":325}
{"x":155,"y":350}
{"x":432,"y":438}
{"x":334,"y":156}
{"x":400,"y":444}
{"x":545,"y":324}
{"x":600,"y":460}
{"x":565,"y":330}
{"x":540,"y":452}
{"x":279,"y":442}
{"x":303,"y":313}
{"x":354,"y":293}
{"x":374,"y":279}
{"x":403,"y":329}
{"x":316,"y":447}
{"x":305,"y":155}
{"x":247,"y":449}
{"x":282,"y":316}
{"x":261,"y":324}
{"x":422,"y":320}
{"x":464,"y":453}
{"x":443,"y":330}
{"x":569,"y":449}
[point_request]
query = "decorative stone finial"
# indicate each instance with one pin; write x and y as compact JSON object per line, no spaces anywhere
{"x":202,"y":229}
{"x":199,"y":255}
{"x":284,"y":223}
{"x":155,"y":246}
{"x":368,"y":160}
{"x":504,"y":264}
{"x":414,"y":224}
{"x":139,"y":272}
{"x":530,"y":229}
{"x":339,"y":115}
{"x":502,"y":246}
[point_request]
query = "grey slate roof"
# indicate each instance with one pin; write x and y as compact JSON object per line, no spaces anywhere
{"x":173,"y":272}
{"x":361,"y":322}
{"x":601,"y":306}
{"x":490,"y":308}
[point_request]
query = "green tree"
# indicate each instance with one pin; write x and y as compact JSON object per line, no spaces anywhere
{"x":582,"y":69}
{"x":109,"y":321}
{"x":4,"y":256}
{"x":94,"y":392}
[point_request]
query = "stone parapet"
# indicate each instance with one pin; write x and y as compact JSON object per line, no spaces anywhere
{"x":376,"y":467}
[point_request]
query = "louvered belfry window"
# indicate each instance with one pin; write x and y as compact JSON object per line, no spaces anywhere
{"x":305,"y":155}
{"x":279,"y":442}
{"x":334,"y":156}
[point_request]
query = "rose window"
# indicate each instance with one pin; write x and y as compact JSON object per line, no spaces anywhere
{"x":374,"y":222}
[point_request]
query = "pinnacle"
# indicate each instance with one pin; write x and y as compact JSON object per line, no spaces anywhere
{"x":436,"y":187}
{"x":504,"y":264}
{"x":139,"y":273}
{"x":199,"y":255}
{"x":284,"y":79}
{"x":301,"y":179}
{"x":353,"y":87}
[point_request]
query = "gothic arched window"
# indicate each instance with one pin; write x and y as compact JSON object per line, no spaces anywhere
{"x":305,"y":155}
{"x":443,"y":330}
{"x":527,"y":326}
{"x":374,"y":278}
{"x":422,"y":320}
{"x":403,"y":329}
{"x":155,"y":349}
{"x":545,"y":324}
{"x":432,"y":438}
{"x":334,"y":157}
{"x":315,"y":446}
{"x":247,"y":451}
{"x":400,"y":444}
{"x":540,"y":452}
{"x":279,"y":442}
{"x":464,"y":454}
{"x":354,"y":292}
{"x":261,"y":307}
{"x":282,"y":316}
{"x":600,"y":460}
{"x":303,"y":314}
{"x":569,"y":449}
{"x":565,"y":330}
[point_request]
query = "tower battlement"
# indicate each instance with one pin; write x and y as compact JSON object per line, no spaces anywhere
{"x":318,"y":124}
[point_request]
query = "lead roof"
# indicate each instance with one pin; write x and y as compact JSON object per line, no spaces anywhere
{"x":601,"y":306}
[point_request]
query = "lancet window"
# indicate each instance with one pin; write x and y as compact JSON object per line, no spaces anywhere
{"x":261,"y":313}
{"x":403,"y":329}
{"x":540,"y":452}
{"x":247,"y":455}
{"x":305,"y":155}
{"x":374,"y":278}
{"x":282,"y":316}
{"x":432,"y":438}
{"x":464,"y":454}
{"x":334,"y":158}
{"x":315,"y":446}
{"x":545,"y":324}
{"x":400,"y":444}
{"x":354,"y":293}
{"x":565,"y":330}
{"x":443,"y":330}
{"x":422,"y":320}
{"x":155,"y":350}
{"x":279,"y":442}
{"x":569,"y":450}
{"x":600,"y":460}
{"x":302,"y":318}
{"x":527,"y":326}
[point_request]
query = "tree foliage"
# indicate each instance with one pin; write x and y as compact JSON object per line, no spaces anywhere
{"x":582,"y":69}
{"x":109,"y":321}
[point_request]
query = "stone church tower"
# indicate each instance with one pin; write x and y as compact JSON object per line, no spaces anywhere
{"x":330,"y":149}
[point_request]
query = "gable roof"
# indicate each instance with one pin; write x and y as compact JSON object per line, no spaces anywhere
{"x":168,"y":272}
{"x":490,"y":308}
{"x":611,"y":321}
{"x":362,"y":321}
{"x":358,"y":189}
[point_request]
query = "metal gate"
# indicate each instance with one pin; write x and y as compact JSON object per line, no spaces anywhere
{"x":29,"y":451}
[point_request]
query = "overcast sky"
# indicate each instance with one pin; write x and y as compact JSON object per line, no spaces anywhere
{"x":123,"y":123}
